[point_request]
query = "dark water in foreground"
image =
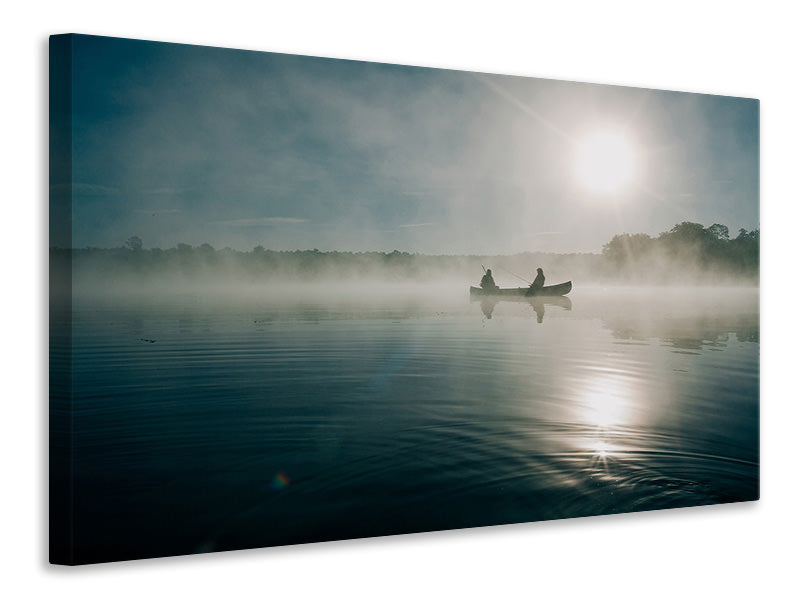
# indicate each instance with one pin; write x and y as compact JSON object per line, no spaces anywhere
{"x":211,"y":423}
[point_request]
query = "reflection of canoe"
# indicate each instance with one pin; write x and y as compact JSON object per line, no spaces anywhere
{"x":548,"y":290}
{"x":562,"y":301}
{"x":536,"y":302}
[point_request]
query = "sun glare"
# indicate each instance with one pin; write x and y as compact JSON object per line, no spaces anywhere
{"x":605,"y":162}
{"x":605,"y":402}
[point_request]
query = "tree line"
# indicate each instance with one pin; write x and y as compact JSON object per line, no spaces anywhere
{"x":688,"y":252}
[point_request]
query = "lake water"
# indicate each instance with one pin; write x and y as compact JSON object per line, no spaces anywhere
{"x":220,"y":421}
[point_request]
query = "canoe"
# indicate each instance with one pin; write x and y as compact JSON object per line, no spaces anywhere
{"x":549,"y":290}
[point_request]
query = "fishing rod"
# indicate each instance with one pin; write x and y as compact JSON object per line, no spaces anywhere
{"x":515,"y":275}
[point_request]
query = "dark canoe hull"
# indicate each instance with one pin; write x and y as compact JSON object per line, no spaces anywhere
{"x":549,"y":290}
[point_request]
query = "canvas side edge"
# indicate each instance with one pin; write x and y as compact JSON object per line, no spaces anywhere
{"x":61,"y":485}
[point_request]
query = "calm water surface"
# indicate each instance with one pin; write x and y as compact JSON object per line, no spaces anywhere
{"x":221,"y":421}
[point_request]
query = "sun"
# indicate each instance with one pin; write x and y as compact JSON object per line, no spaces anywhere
{"x":605,"y":162}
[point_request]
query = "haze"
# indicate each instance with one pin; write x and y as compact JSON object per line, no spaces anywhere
{"x":182,"y":144}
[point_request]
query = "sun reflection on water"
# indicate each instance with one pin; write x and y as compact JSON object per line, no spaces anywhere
{"x":602,"y":450}
{"x":604,"y":408}
{"x":605,"y":402}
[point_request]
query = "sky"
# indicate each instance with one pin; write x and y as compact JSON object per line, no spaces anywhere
{"x":188,"y":144}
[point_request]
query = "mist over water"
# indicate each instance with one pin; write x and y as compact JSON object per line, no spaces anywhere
{"x":688,"y":254}
{"x":268,"y":415}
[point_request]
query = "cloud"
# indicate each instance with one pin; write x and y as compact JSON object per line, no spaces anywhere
{"x":416,"y":225}
{"x":165,"y":191}
{"x":261,"y":221}
{"x":157,"y":211}
{"x":86,"y":189}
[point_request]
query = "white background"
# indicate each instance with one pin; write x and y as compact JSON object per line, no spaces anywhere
{"x":732,"y":48}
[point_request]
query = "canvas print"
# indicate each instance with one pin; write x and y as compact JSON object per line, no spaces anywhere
{"x":298,"y":299}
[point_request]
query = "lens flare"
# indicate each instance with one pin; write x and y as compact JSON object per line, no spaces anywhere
{"x":280,"y":481}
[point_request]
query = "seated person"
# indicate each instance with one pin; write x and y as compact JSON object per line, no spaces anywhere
{"x":537,"y":284}
{"x":487,"y":282}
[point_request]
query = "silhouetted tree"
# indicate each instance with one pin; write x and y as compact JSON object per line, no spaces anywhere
{"x":719,"y":231}
{"x":686,"y":233}
{"x":134,"y":243}
{"x":626,"y":248}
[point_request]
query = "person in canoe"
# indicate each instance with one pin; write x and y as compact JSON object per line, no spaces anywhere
{"x":537,"y":284}
{"x":487,"y":282}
